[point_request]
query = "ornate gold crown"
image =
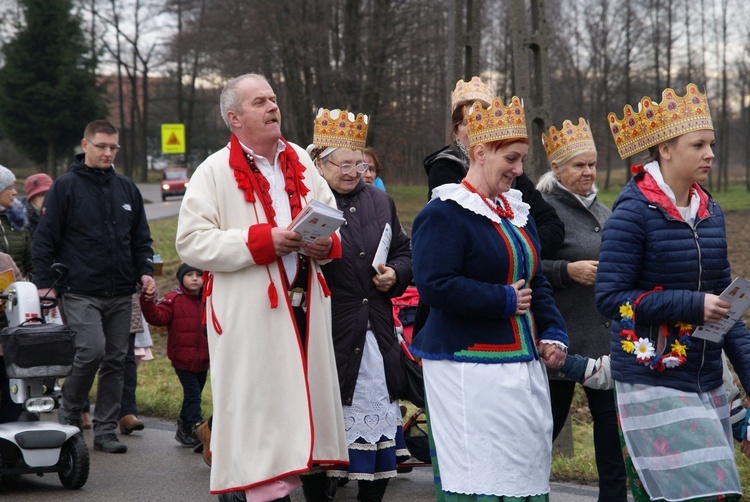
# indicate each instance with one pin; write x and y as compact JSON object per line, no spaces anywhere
{"x":473,"y":90}
{"x":496,"y":122}
{"x":655,"y":123}
{"x":340,"y":129}
{"x":570,"y":138}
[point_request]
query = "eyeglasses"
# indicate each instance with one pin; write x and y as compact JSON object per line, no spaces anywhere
{"x":99,"y":146}
{"x":347,"y":168}
{"x":11,"y":188}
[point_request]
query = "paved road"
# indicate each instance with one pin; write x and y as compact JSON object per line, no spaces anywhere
{"x":157,"y":469}
{"x":155,"y":208}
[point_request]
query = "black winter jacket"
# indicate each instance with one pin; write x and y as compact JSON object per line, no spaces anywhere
{"x":94,"y":222}
{"x":354,"y":299}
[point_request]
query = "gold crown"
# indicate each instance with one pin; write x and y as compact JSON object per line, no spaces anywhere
{"x":340,"y":129}
{"x":655,"y":123}
{"x":569,"y":139}
{"x":496,"y":122}
{"x":473,"y":90}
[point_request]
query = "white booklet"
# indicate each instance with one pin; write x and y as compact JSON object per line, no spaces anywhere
{"x":317,"y":221}
{"x":381,"y":255}
{"x":738,"y":297}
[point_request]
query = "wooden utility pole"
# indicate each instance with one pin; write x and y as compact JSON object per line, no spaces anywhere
{"x":531,"y":77}
{"x":464,"y":41}
{"x":531,"y":83}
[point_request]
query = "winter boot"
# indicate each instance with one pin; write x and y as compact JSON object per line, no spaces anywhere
{"x":318,"y":487}
{"x":372,"y":491}
{"x":184,"y":435}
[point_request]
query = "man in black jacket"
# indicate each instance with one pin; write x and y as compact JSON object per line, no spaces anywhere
{"x":93,"y":221}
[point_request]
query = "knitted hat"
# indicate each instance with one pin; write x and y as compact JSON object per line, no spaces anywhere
{"x":7,"y":178}
{"x":184,"y":269}
{"x":36,"y":184}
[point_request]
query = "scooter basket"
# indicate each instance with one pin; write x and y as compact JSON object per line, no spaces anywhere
{"x":38,"y":350}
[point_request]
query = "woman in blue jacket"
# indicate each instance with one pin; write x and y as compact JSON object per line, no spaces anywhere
{"x":477,"y":266}
{"x":662,"y":267}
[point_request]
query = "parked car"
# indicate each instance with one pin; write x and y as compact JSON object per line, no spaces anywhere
{"x":174,"y":181}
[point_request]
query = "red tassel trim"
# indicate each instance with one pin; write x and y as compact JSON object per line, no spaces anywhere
{"x":324,"y":285}
{"x":273,"y":295}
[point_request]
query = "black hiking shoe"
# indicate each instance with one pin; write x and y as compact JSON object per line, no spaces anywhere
{"x":109,"y":443}
{"x":185,"y":435}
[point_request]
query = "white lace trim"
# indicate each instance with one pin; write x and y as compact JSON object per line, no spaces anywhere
{"x":371,"y":415}
{"x":474,"y":203}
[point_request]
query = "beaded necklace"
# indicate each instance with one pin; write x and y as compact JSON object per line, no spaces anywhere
{"x":504,"y":212}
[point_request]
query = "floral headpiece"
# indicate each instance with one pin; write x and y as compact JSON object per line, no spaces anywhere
{"x":644,"y":349}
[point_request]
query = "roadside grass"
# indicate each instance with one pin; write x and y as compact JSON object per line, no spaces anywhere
{"x":159,"y":393}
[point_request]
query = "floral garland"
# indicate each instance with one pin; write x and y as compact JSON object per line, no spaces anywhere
{"x":643,"y":348}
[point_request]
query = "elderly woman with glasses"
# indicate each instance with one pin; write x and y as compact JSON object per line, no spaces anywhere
{"x":362,"y":284}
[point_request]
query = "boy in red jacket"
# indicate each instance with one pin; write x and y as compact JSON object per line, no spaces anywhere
{"x":181,"y":311}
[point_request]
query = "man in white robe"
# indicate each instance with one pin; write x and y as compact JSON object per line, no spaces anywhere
{"x":277,"y":411}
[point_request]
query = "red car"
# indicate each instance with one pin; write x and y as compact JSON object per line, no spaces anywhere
{"x":174,"y":181}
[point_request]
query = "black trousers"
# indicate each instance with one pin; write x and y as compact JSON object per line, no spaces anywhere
{"x":609,"y":462}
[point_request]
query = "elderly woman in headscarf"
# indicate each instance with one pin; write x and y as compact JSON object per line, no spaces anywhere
{"x":362,"y":284}
{"x":570,"y":188}
{"x":16,"y":240}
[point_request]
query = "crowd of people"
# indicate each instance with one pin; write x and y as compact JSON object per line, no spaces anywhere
{"x":524,"y":291}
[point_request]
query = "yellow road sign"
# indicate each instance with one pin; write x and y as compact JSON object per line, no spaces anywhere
{"x":173,"y":138}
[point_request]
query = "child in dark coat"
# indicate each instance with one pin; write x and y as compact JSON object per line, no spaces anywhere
{"x":181,"y":311}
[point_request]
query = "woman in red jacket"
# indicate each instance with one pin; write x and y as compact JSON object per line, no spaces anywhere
{"x":181,"y":311}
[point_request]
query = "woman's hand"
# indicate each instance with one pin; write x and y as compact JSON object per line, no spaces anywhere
{"x":523,"y":297}
{"x":745,"y":447}
{"x":714,"y":308}
{"x":552,"y":355}
{"x":385,"y":280}
{"x":583,"y":271}
{"x":319,"y":249}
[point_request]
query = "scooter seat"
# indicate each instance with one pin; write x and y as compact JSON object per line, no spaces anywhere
{"x":40,"y":439}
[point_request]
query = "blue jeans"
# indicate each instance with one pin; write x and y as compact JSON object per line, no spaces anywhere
{"x":192,"y":388}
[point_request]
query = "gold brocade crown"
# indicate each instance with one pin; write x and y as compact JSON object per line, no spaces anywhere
{"x":473,"y":90}
{"x":496,"y":122}
{"x":340,"y":129}
{"x":569,"y":139}
{"x":655,"y":123}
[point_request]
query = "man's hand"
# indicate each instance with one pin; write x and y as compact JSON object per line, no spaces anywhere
{"x":385,"y":280}
{"x":286,"y":241}
{"x":319,"y":249}
{"x":148,"y":287}
{"x":583,"y":271}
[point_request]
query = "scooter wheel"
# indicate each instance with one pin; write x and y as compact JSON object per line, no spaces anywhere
{"x":74,"y":463}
